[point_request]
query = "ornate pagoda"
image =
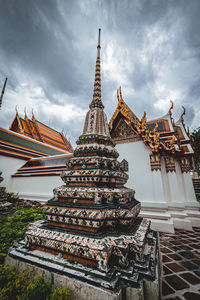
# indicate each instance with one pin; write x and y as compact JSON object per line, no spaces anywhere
{"x":92,"y":223}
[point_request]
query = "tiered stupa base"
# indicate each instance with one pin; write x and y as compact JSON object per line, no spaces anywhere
{"x":112,"y":262}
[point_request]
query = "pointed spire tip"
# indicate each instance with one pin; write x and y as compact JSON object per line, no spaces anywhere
{"x":99,"y":43}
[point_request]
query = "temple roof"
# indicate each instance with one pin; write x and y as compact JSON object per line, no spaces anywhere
{"x":21,"y":146}
{"x":160,"y":134}
{"x":40,"y":132}
{"x":44,"y":166}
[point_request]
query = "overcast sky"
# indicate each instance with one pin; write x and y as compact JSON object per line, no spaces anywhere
{"x":48,"y":52}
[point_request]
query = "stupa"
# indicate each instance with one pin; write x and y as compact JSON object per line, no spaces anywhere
{"x":92,"y":226}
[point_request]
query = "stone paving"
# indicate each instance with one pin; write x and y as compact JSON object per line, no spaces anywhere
{"x":180,"y":254}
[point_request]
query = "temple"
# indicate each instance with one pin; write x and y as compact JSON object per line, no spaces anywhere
{"x":32,"y":154}
{"x":92,"y":226}
{"x":158,"y":153}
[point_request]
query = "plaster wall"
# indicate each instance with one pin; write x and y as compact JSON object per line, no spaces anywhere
{"x":167,"y":198}
{"x":148,"y":185}
{"x":9,"y":166}
{"x":39,"y":188}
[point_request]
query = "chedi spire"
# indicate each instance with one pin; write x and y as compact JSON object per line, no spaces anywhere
{"x":96,"y":120}
{"x":96,"y":101}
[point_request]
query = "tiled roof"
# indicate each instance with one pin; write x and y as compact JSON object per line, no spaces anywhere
{"x":39,"y":131}
{"x":18,"y":145}
{"x":166,"y":130}
{"x":43,"y":166}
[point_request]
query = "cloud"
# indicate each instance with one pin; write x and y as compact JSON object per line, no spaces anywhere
{"x":48,"y":51}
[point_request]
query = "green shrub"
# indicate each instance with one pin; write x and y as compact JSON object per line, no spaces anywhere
{"x":60,"y":294}
{"x":12,"y":197}
{"x":20,"y":286}
{"x":12,"y":283}
{"x":14,"y":226}
{"x":38,"y":289}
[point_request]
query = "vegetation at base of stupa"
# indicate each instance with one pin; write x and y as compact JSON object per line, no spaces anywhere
{"x":13,"y":227}
{"x":21,"y":285}
{"x":195,"y":136}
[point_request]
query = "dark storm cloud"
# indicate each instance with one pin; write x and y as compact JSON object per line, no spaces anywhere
{"x":150,"y":47}
{"x":35,"y":36}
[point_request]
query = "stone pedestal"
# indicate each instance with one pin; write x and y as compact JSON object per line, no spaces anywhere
{"x":61,"y":273}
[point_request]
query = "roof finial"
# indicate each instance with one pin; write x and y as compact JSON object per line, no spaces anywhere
{"x":120,"y":92}
{"x":170,"y":110}
{"x":25,"y":113}
{"x":99,"y":43}
{"x":2,"y":92}
{"x":118,"y":95}
{"x":184,"y":110}
{"x":33,"y":117}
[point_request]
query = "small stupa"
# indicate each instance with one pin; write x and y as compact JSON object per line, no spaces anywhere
{"x":92,"y":223}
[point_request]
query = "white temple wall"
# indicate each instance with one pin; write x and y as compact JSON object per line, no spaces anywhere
{"x":181,"y":183}
{"x":167,"y":198}
{"x":190,"y":194}
{"x":140,"y":179}
{"x":9,"y":166}
{"x":147,"y":184}
{"x":39,"y":188}
{"x":165,"y":182}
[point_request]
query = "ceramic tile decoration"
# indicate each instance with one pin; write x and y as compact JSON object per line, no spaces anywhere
{"x":93,"y":218}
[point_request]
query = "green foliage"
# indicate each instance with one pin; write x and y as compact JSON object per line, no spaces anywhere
{"x":12,"y":283}
{"x":19,"y":285}
{"x":60,"y":294}
{"x":13,"y":227}
{"x":38,"y":289}
{"x":12,"y":197}
{"x":195,"y":136}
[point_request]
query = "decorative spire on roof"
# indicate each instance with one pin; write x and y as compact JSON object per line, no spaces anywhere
{"x":184,"y":110}
{"x":120,"y":92}
{"x":25,"y":115}
{"x":172,"y":105}
{"x":2,"y":92}
{"x":117,"y":95}
{"x":36,"y":127}
{"x":33,"y":117}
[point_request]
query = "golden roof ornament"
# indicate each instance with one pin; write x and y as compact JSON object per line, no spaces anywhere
{"x":118,"y":95}
{"x":172,"y":106}
{"x":155,"y":128}
{"x":120,"y":92}
{"x":25,"y":115}
{"x":184,"y":111}
{"x":144,"y":119}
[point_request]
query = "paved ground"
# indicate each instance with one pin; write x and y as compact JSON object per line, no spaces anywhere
{"x":181,"y":265}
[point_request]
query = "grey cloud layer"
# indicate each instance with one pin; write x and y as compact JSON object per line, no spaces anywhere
{"x":52,"y":44}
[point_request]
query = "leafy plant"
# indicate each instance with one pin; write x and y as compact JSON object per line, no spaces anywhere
{"x":13,"y":283}
{"x":14,"y":226}
{"x":38,"y":289}
{"x":60,"y":294}
{"x":12,"y":197}
{"x":20,"y":285}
